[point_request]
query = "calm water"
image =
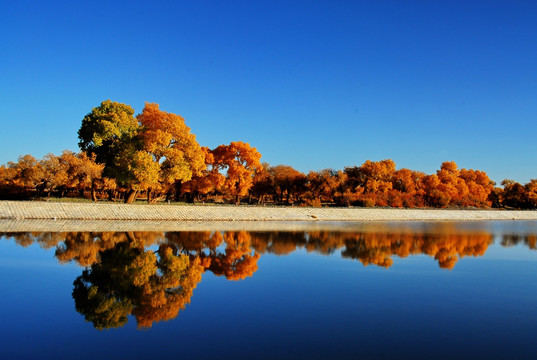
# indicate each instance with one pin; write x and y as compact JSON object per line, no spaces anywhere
{"x":417,"y":291}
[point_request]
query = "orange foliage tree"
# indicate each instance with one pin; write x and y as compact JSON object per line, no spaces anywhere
{"x":209,"y":181}
{"x":25,"y":175}
{"x":531,"y":194}
{"x":288,"y":183}
{"x":514,"y":194}
{"x":239,"y":161}
{"x":407,"y":189}
{"x":371,"y":182}
{"x":451,"y":186}
{"x":262,"y":186}
{"x":326,"y":185}
{"x":68,"y":171}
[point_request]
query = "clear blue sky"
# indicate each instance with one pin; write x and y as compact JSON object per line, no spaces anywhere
{"x":311,"y":84}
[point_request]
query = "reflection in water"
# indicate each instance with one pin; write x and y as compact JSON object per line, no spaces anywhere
{"x":512,"y":240}
{"x":153,"y":286}
{"x":446,"y":249}
{"x":152,"y":275}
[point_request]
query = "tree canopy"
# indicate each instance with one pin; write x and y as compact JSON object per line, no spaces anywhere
{"x":150,"y":151}
{"x":156,"y":154}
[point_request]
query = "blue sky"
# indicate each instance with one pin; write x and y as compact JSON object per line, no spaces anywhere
{"x":311,"y":84}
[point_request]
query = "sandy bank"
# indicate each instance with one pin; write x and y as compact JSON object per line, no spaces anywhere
{"x":24,"y":210}
{"x":47,"y":225}
{"x":18,"y":216}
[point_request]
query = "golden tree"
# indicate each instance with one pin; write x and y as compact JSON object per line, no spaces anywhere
{"x":240,"y":162}
{"x":288,"y":183}
{"x":209,"y":181}
{"x":26,"y":174}
{"x":170,"y":152}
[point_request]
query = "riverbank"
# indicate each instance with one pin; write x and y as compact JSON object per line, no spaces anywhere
{"x":37,"y":210}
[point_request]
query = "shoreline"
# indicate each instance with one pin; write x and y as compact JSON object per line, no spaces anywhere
{"x":29,"y":216}
{"x":34,"y":210}
{"x":97,"y":226}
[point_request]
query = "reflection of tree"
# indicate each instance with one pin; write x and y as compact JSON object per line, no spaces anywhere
{"x":124,"y":277}
{"x":235,"y":254}
{"x":85,"y":247}
{"x":378,"y":248}
{"x":509,"y":240}
{"x":24,"y":239}
{"x":277,"y":242}
{"x":235,"y":262}
{"x":325,"y":242}
{"x":358,"y":249}
{"x":153,"y":286}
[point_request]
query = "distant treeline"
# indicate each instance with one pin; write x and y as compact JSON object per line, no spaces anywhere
{"x":155,"y":155}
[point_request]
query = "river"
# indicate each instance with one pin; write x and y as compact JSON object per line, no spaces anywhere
{"x":416,"y":290}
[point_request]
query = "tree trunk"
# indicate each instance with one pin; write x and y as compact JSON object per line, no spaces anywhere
{"x":130,"y":234}
{"x":178,"y":191}
{"x":190,"y":198}
{"x":149,"y":196}
{"x":93,"y":195}
{"x":131,"y":196}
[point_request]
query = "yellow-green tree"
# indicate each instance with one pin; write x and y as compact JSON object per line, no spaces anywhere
{"x":110,"y":132}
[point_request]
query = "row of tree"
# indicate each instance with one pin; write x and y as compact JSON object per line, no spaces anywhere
{"x":233,"y":171}
{"x":155,"y":153}
{"x":66,"y":174}
{"x":377,"y":184}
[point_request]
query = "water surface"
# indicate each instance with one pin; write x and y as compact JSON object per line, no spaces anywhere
{"x":405,"y":290}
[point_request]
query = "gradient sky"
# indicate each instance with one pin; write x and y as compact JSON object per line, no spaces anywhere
{"x":311,"y":84}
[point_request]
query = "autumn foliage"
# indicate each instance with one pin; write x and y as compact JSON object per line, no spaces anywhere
{"x":67,"y":173}
{"x":375,"y":184}
{"x":155,"y":155}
